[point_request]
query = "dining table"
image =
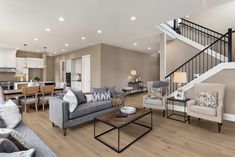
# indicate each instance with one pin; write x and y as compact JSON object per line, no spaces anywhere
{"x":8,"y":94}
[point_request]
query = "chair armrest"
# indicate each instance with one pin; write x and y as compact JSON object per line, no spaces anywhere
{"x":220,"y":111}
{"x":191,"y":102}
{"x":58,"y":111}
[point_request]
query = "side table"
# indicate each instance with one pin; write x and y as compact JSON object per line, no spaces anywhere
{"x":172,"y":115}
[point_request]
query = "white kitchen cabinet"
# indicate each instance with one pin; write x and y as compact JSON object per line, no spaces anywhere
{"x":76,"y":85}
{"x":7,"y":58}
{"x":68,"y":66}
{"x":86,"y":74}
{"x":35,"y":62}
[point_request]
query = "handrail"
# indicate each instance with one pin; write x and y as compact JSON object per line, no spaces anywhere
{"x":201,"y":26}
{"x":203,"y":32}
{"x":197,"y":54}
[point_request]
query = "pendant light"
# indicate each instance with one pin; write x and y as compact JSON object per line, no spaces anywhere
{"x":25,"y":66}
{"x":45,"y":66}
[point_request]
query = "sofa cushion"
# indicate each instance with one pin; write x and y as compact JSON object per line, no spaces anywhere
{"x":112,"y":91}
{"x":101,"y":96}
{"x":26,"y":153}
{"x":7,"y":146}
{"x":153,"y":101}
{"x":89,"y":108}
{"x":203,"y":110}
{"x":155,"y":93}
{"x":103,"y":89}
{"x":71,"y":98}
{"x":80,"y":97}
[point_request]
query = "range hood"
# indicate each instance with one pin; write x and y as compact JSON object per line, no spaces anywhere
{"x":7,"y":70}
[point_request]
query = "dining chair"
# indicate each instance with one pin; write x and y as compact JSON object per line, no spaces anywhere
{"x":46,"y":93}
{"x":30,"y":96}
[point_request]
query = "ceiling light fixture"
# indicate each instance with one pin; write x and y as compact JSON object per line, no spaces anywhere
{"x":36,"y":39}
{"x":55,"y":52}
{"x":61,"y":19}
{"x":25,"y":66}
{"x":38,"y":50}
{"x":135,"y":44}
{"x":66,"y":44}
{"x":149,"y":48}
{"x":17,"y":48}
{"x":48,"y":29}
{"x":63,"y":50}
{"x":99,"y":31}
{"x":133,"y":18}
{"x":83,"y":38}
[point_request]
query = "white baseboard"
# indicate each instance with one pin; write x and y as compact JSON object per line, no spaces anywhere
{"x":227,"y":116}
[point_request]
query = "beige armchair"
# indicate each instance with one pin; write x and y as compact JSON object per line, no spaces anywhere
{"x":159,"y":104}
{"x":207,"y":113}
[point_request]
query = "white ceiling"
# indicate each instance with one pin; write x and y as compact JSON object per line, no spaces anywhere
{"x":23,"y":20}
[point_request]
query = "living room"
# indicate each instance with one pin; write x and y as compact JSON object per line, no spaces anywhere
{"x":117,"y":78}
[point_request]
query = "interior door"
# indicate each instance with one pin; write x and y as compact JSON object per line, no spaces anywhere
{"x":86,"y":74}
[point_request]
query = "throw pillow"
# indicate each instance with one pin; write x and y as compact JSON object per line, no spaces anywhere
{"x":112,"y":91}
{"x":89,"y":97}
{"x":2,"y":123}
{"x":10,"y":113}
{"x":7,"y":146}
{"x":27,"y":153}
{"x":1,"y":96}
{"x":155,"y":93}
{"x":99,"y":89}
{"x":80,"y":97}
{"x":208,"y":99}
{"x":16,"y":138}
{"x":71,"y":99}
{"x":101,"y":96}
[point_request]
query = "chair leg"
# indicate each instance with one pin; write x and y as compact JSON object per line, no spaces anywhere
{"x":65,"y":130}
{"x":219,"y":127}
{"x":163,"y":113}
{"x":189,"y":119}
{"x":25,"y":108}
{"x":43,"y":105}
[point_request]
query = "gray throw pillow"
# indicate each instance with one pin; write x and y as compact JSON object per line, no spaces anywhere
{"x":2,"y":123}
{"x":27,"y":153}
{"x":97,"y":90}
{"x":6,"y":146}
{"x":80,"y":97}
{"x":112,"y":91}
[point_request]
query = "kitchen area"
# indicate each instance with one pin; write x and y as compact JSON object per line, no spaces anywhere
{"x":19,"y":67}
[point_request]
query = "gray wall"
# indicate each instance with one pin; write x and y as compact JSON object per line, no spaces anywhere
{"x":116,"y":64}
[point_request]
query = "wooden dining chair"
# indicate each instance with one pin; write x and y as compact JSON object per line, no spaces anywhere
{"x":30,"y":96}
{"x":46,"y":93}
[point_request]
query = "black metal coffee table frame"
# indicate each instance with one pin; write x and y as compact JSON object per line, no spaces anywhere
{"x":119,"y":149}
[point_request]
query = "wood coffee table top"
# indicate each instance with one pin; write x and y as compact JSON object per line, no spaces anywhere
{"x":117,"y":122}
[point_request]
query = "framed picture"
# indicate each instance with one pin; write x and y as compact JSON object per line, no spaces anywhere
{"x":179,"y":95}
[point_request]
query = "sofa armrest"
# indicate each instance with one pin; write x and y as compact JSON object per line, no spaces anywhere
{"x":58,"y":111}
{"x":220,"y":111}
{"x":191,"y":102}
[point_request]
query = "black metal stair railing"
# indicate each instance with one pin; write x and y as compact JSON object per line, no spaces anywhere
{"x":205,"y":59}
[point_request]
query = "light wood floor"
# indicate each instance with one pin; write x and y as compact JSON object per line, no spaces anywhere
{"x":167,"y":139}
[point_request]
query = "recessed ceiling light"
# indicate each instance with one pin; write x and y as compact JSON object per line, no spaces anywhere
{"x":36,"y":39}
{"x":17,"y":48}
{"x":135,"y":44}
{"x":187,"y":16}
{"x":99,"y":31}
{"x":83,"y":38}
{"x":61,"y":19}
{"x":63,"y":50}
{"x":50,"y":54}
{"x":38,"y":50}
{"x":66,"y":44}
{"x":55,"y":52}
{"x":48,"y":29}
{"x":159,"y":51}
{"x":149,"y":48}
{"x":133,"y":18}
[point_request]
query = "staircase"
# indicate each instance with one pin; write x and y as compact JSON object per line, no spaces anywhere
{"x":213,"y":47}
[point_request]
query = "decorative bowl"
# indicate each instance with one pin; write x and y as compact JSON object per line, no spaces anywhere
{"x":128,"y":110}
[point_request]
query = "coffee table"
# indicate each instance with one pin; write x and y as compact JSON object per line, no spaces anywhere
{"x":118,"y":123}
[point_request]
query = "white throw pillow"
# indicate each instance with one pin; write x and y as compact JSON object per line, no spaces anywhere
{"x":10,"y":114}
{"x":89,"y":97}
{"x":71,"y":99}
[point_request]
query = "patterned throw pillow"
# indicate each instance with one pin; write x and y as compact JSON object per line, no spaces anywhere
{"x":155,"y":93}
{"x":208,"y":99}
{"x":101,"y":96}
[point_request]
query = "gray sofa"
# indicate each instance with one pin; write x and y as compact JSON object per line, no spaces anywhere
{"x":41,"y":149}
{"x":60,"y":116}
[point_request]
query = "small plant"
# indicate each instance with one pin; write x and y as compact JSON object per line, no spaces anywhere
{"x":36,"y":79}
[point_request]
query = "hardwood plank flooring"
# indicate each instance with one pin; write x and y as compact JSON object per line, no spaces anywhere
{"x":167,"y":139}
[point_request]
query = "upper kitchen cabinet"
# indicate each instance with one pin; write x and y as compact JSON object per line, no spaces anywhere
{"x":68,"y":65}
{"x":35,"y":62}
{"x":7,"y":58}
